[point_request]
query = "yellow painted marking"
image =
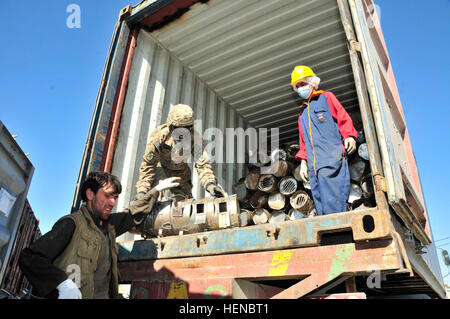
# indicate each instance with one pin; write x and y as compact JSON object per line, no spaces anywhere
{"x":280,"y":262}
{"x":178,"y":290}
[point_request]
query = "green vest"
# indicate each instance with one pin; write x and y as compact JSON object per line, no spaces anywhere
{"x":84,"y":250}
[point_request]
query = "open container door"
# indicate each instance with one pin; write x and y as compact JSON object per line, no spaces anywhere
{"x":401,"y":180}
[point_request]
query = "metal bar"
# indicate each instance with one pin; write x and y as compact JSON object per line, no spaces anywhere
{"x":111,"y":135}
{"x":365,"y":224}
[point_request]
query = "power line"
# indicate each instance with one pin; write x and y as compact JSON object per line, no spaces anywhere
{"x":441,"y":239}
{"x":443,"y":245}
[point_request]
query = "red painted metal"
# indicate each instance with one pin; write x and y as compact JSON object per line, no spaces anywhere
{"x":213,"y":276}
{"x":27,"y":233}
{"x":119,"y":98}
{"x":167,"y":11}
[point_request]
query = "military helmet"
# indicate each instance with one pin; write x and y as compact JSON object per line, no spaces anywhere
{"x":181,"y":115}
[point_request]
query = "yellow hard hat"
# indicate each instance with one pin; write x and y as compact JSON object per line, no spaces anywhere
{"x":301,"y":72}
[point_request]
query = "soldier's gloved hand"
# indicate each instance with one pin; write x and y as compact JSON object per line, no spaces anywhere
{"x":168,"y":183}
{"x":142,"y":203}
{"x":68,"y":290}
{"x":350,"y":145}
{"x":304,"y":171}
{"x":215,"y":190}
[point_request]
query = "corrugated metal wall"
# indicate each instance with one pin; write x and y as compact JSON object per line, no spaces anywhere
{"x":246,"y":51}
{"x":16,"y":172}
{"x":158,"y":81}
{"x":28,"y":232}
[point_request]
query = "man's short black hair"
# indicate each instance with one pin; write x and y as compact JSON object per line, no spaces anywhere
{"x":96,"y":180}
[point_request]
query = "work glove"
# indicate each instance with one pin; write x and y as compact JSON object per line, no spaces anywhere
{"x":350,"y":145}
{"x":304,"y":171}
{"x":68,"y":290}
{"x":215,"y":190}
{"x":143,"y":203}
{"x":168,"y":183}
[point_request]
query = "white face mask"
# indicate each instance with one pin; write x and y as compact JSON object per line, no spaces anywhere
{"x":304,"y":92}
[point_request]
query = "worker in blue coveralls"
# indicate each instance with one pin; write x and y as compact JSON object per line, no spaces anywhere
{"x":326,"y":137}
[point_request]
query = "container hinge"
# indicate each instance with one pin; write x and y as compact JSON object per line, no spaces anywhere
{"x":354,"y":45}
{"x":380,"y":183}
{"x":125,"y":12}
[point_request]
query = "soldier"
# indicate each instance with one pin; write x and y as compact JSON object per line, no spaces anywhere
{"x":161,"y":158}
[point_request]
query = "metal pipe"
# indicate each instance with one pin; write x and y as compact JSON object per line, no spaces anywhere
{"x":287,"y":185}
{"x":292,"y":150}
{"x":251,"y":180}
{"x":278,"y":154}
{"x":260,"y":216}
{"x":297,"y":173}
{"x":267,"y":183}
{"x":258,"y":199}
{"x":355,"y":193}
{"x":276,"y":201}
{"x":363,"y":152}
{"x":280,"y":168}
{"x":244,"y":217}
{"x":116,"y":112}
{"x":367,"y":186}
{"x":240,"y":190}
{"x":278,"y":216}
{"x":356,"y":169}
{"x":295,"y":214}
{"x":301,"y":201}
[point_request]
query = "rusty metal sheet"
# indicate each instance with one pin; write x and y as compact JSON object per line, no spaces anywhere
{"x":213,"y":276}
{"x":365,"y":224}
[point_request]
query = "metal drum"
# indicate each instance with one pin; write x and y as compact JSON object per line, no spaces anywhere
{"x":225,"y":213}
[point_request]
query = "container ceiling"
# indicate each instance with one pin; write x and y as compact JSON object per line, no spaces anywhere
{"x":246,"y":50}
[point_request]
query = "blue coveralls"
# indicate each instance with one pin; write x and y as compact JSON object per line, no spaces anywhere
{"x":331,"y":186}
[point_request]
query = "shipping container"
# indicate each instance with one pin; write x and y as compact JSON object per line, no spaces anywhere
{"x":16,"y":172}
{"x":27,"y":233}
{"x":231,"y":61}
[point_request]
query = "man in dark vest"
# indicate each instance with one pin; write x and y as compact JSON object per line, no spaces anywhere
{"x":82,"y":246}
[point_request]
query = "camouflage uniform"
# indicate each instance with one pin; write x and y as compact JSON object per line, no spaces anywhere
{"x":157,"y":161}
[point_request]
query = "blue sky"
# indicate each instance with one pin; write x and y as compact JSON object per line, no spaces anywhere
{"x":50,"y":75}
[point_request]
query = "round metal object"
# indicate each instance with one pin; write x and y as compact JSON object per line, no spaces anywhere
{"x":287,"y":185}
{"x":278,"y":154}
{"x":356,"y":169}
{"x":278,"y":217}
{"x":355,"y":193}
{"x":363,"y":152}
{"x":301,"y":201}
{"x":244,"y":217}
{"x":258,"y":199}
{"x":251,"y":181}
{"x":240,"y":190}
{"x":276,"y":201}
{"x":295,"y":214}
{"x":267,"y":183}
{"x":367,"y":186}
{"x":260,"y":216}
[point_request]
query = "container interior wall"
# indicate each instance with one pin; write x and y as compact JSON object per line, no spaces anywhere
{"x":158,"y":80}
